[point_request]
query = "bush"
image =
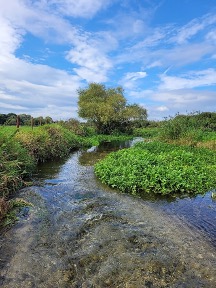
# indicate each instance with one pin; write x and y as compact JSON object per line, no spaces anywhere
{"x":188,"y":127}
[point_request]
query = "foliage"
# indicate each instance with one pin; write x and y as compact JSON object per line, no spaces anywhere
{"x":190,"y":127}
{"x":82,"y":129}
{"x":159,"y":168}
{"x":47,"y":142}
{"x":25,"y":119}
{"x":16,"y":163}
{"x":107,"y":108}
{"x":146,"y":132}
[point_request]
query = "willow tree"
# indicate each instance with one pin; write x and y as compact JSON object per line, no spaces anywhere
{"x":106,"y":107}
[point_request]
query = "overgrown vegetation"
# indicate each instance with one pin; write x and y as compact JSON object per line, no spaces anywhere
{"x":189,"y":129}
{"x":157,"y":167}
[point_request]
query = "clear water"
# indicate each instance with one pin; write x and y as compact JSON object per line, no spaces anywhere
{"x":80,"y":233}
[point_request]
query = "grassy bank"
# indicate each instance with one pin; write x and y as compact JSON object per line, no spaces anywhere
{"x":21,"y":149}
{"x":158,"y":167}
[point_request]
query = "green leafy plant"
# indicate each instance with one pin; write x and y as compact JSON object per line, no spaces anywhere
{"x":159,"y":168}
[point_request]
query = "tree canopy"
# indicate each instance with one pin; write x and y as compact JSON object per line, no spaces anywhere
{"x":107,"y":108}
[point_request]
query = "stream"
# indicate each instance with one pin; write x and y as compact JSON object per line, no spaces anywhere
{"x":80,"y":233}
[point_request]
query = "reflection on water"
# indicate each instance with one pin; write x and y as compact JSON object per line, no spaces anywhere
{"x":95,"y":153}
{"x":83,"y":234}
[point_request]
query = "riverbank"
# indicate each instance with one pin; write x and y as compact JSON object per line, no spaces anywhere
{"x":22,"y":149}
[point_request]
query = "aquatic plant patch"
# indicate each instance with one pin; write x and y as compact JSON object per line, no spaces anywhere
{"x":159,"y":168}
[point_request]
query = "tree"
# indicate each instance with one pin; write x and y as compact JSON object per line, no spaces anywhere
{"x":107,"y":108}
{"x":11,"y":119}
{"x":3,"y":118}
{"x":48,"y":120}
{"x":25,"y":119}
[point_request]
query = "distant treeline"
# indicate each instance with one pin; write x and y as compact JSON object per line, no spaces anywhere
{"x":197,"y":120}
{"x":10,"y":119}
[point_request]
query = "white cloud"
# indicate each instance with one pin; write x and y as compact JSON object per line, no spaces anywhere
{"x":129,"y":81}
{"x":93,"y":63}
{"x":191,"y":80}
{"x":187,"y":99}
{"x":188,"y":31}
{"x":89,"y":50}
{"x":135,"y":75}
{"x":10,"y":38}
{"x":162,"y":108}
{"x":28,"y":87}
{"x":76,"y":8}
{"x":143,"y":94}
{"x":193,"y":27}
{"x":211,"y":35}
{"x":154,"y":38}
{"x":180,"y":101}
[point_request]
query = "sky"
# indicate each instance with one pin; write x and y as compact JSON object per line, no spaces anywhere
{"x":162,"y":52}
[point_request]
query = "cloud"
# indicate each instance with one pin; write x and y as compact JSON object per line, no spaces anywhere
{"x":143,"y":94}
{"x":86,"y":50}
{"x":93,"y":63}
{"x":129,"y":81}
{"x":162,"y":108}
{"x":29,"y":87}
{"x":190,"y":80}
{"x":211,"y":36}
{"x":193,"y":27}
{"x":187,"y":99}
{"x":170,"y":45}
{"x":133,"y":76}
{"x":181,"y":101}
{"x":74,"y":8}
{"x":10,"y":38}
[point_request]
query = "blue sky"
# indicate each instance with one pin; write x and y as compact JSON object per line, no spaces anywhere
{"x":163,"y":53}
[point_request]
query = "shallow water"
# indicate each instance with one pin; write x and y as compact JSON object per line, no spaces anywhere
{"x":80,"y":233}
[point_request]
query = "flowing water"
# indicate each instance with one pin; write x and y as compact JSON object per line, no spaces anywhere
{"x":80,"y":233}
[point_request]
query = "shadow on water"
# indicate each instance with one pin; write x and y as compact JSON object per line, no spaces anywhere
{"x":81,"y":233}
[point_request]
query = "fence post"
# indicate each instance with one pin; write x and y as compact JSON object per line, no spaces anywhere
{"x":18,"y":121}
